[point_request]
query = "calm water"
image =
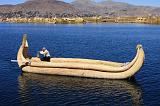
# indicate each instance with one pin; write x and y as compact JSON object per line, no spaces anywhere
{"x":114,"y":42}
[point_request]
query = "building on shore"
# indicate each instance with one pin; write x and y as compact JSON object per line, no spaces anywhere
{"x":141,"y":20}
{"x":125,"y":19}
{"x":73,"y":20}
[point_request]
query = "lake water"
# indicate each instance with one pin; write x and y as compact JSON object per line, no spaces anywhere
{"x":114,"y":42}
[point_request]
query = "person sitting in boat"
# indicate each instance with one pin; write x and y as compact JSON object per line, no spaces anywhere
{"x":46,"y":54}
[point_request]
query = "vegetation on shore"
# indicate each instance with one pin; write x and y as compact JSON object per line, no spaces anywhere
{"x":78,"y":20}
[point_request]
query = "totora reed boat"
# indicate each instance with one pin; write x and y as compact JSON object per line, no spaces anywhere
{"x":79,"y":67}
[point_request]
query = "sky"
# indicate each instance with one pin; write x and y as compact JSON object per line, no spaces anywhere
{"x":136,"y":2}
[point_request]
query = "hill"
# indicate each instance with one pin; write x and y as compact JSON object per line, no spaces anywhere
{"x":38,"y":8}
{"x":114,"y":9}
{"x":78,"y":8}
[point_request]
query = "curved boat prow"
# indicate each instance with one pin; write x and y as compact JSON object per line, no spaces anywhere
{"x":23,"y":52}
{"x":138,"y":64}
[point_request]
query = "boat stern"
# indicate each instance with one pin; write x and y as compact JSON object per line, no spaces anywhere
{"x":23,"y":52}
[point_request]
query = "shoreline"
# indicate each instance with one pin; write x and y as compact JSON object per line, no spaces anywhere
{"x":84,"y":20}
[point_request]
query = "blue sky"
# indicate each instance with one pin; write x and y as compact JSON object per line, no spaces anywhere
{"x":136,"y":2}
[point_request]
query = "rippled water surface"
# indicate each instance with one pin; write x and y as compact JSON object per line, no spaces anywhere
{"x":115,"y":42}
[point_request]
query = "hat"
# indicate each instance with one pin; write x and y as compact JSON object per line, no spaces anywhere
{"x":43,"y":48}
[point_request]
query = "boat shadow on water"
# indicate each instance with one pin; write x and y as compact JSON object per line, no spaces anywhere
{"x":101,"y":91}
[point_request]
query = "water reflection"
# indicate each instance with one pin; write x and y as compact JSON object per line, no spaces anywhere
{"x":61,"y":90}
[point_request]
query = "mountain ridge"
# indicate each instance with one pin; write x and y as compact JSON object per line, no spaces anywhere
{"x":77,"y":8}
{"x":115,"y":9}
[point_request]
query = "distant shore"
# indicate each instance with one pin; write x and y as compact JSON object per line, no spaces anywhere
{"x":79,"y":20}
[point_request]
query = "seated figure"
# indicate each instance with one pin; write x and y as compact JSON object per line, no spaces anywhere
{"x":45,"y":53}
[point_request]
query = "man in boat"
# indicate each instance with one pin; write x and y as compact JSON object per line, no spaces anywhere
{"x":46,"y":54}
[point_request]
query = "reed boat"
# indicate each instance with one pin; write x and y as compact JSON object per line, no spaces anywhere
{"x":79,"y":67}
